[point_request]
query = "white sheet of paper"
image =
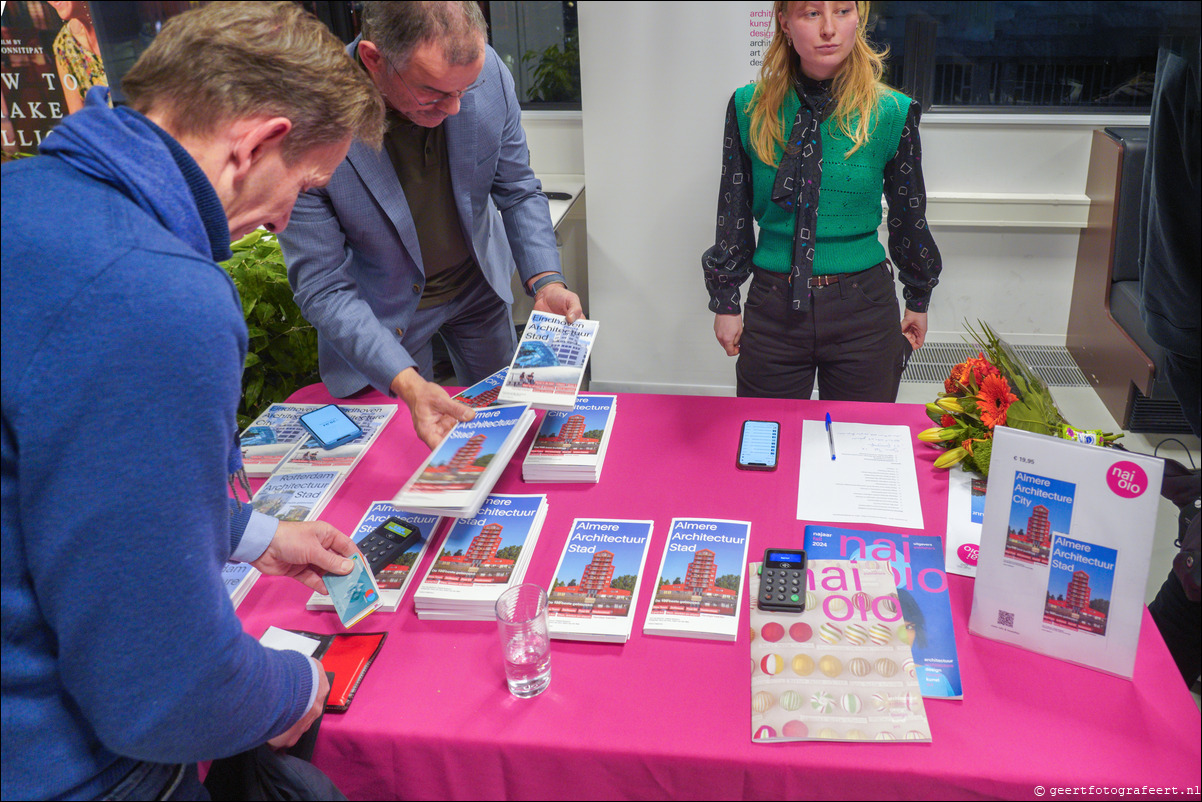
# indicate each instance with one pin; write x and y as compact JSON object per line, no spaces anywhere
{"x":872,"y":479}
{"x":283,"y":640}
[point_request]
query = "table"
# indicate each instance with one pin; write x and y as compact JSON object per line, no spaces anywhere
{"x":669,"y":718}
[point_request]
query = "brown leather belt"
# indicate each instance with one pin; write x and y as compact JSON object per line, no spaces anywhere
{"x":822,"y":281}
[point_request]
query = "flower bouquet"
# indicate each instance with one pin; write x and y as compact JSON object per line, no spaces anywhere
{"x":994,"y":388}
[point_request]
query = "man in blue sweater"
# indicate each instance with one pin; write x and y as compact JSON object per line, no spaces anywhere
{"x":123,"y":346}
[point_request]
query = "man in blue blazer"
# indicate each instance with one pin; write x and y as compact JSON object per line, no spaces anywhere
{"x":423,"y":235}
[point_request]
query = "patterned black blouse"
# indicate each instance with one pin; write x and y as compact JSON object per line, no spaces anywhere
{"x":728,"y":263}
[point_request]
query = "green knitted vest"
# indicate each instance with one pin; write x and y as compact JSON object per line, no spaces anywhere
{"x":849,"y":200}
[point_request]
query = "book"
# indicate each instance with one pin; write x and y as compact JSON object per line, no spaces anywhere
{"x":272,"y":436}
{"x":47,"y":70}
{"x":480,"y":557}
{"x":460,"y":473}
{"x":395,"y":578}
{"x":549,"y":364}
{"x":918,"y":572}
{"x":841,"y":670}
{"x":965,"y":512}
{"x":596,"y":585}
{"x":1065,"y":546}
{"x":276,"y":440}
{"x":484,"y":392}
{"x":310,"y":455}
{"x":570,"y":445}
{"x":296,"y":497}
{"x":699,"y":588}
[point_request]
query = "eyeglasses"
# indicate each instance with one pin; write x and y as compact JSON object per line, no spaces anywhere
{"x":442,"y":96}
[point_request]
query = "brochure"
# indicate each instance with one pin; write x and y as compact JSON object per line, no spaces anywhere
{"x":1065,"y":548}
{"x":698,"y":592}
{"x":965,"y":512}
{"x":277,"y":442}
{"x":272,"y":436}
{"x":570,"y":445}
{"x":480,"y":557}
{"x":394,"y":579}
{"x":458,"y":475}
{"x":840,"y":671}
{"x":917,"y":564}
{"x":296,"y":497}
{"x":549,"y":364}
{"x":484,"y":392}
{"x":309,"y":455}
{"x":596,"y":584}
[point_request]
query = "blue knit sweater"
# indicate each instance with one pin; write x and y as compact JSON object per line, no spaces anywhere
{"x":123,"y":346}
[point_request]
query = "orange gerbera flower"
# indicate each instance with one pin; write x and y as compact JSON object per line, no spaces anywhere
{"x":955,"y":380}
{"x":994,"y":399}
{"x":981,"y":368}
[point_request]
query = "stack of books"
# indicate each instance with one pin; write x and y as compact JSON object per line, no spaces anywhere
{"x":700,"y":583}
{"x":570,"y":445}
{"x":289,"y":497}
{"x":596,"y":586}
{"x":549,"y":364}
{"x":395,"y":577}
{"x":276,"y":439}
{"x":304,"y":479}
{"x":460,"y":473}
{"x":480,"y":558}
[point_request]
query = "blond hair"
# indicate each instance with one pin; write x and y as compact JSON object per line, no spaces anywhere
{"x":227,"y":61}
{"x":856,"y":89}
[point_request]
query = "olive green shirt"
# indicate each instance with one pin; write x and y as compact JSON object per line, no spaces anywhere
{"x":419,"y":156}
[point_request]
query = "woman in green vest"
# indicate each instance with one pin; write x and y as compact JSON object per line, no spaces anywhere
{"x":808,"y":150}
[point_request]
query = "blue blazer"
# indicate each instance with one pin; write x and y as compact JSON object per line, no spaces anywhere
{"x":352,"y":251}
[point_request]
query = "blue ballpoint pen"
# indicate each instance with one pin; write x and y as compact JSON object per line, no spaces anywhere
{"x":830,"y":437}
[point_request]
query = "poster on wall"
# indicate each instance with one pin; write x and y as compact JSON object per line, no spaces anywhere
{"x":51,"y":58}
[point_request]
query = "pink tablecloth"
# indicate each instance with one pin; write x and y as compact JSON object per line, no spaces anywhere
{"x":669,"y":718}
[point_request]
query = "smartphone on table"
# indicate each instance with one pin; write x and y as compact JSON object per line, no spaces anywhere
{"x":330,"y":426}
{"x":758,"y":445}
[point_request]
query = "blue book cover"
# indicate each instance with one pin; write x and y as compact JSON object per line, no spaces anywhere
{"x":479,"y":556}
{"x":462,"y":458}
{"x":918,"y":568}
{"x":596,"y":586}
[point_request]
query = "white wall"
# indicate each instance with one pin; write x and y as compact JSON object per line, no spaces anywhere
{"x":1006,"y":198}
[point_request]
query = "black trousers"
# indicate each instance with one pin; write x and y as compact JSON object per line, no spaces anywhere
{"x":851,"y":338}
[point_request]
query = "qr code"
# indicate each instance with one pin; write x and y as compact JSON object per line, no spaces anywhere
{"x":1005,"y":619}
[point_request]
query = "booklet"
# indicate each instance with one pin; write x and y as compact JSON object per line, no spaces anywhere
{"x":294,"y":497}
{"x":917,"y":564}
{"x":1065,"y":548}
{"x":276,"y":440}
{"x":549,"y":364}
{"x":309,"y":455}
{"x":596,"y":584}
{"x":965,"y":512}
{"x":484,"y":392}
{"x":841,"y":670}
{"x":458,"y":475}
{"x":699,"y":588}
{"x":480,"y":557}
{"x":394,"y":579}
{"x":272,"y":436}
{"x":570,"y":445}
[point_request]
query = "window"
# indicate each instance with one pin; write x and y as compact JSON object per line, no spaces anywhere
{"x":539,"y":43}
{"x":1012,"y":55}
